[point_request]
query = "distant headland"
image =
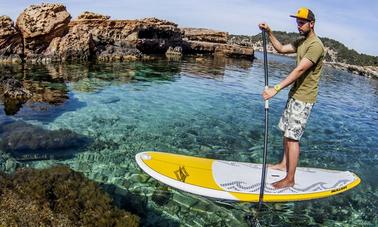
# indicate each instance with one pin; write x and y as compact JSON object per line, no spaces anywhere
{"x":338,"y":55}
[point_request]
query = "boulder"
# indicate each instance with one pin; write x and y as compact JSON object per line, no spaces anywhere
{"x":128,"y":39}
{"x":234,"y":51}
{"x":156,"y":36}
{"x":204,"y":35}
{"x":220,"y":49}
{"x":110,"y":39}
{"x":194,"y":47}
{"x":11,"y":46}
{"x":92,"y":16}
{"x":76,"y":45}
{"x":40,"y":24}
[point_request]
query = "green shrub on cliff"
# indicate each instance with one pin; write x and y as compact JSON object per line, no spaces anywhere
{"x":57,"y":197}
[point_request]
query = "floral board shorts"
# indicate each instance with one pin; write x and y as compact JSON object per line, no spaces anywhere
{"x":294,"y":118}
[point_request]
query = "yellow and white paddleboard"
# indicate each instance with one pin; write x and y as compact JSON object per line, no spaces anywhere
{"x":240,"y":181}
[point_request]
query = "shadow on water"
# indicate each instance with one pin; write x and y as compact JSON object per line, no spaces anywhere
{"x":138,"y":204}
{"x":26,"y":142}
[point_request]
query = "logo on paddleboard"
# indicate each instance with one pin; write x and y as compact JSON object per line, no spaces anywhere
{"x":181,"y":174}
{"x":338,"y":189}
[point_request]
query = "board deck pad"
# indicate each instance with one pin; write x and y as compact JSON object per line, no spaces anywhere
{"x":240,"y":181}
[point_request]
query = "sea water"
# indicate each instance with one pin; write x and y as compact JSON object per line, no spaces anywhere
{"x":205,"y":107}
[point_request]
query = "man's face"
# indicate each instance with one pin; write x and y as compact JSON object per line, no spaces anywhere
{"x":304,"y":26}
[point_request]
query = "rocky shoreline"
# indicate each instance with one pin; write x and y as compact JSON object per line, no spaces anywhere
{"x":368,"y":71}
{"x":46,"y":33}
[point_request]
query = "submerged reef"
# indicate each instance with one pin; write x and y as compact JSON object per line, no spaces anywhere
{"x":28,"y":142}
{"x":57,"y":196}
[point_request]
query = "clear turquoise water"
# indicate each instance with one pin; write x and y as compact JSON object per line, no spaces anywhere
{"x":208,"y":108}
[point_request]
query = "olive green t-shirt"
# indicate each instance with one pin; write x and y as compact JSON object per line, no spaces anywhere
{"x":305,"y":88}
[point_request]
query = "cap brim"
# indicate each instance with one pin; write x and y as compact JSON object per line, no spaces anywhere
{"x":300,"y":18}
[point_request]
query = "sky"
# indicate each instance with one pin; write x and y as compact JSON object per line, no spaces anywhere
{"x":351,"y":22}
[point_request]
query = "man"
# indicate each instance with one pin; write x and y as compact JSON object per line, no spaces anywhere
{"x":302,"y":96}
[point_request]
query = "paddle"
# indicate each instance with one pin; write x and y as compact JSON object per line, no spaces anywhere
{"x":263,"y":173}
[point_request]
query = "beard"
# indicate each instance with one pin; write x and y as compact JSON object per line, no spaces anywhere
{"x":303,"y":33}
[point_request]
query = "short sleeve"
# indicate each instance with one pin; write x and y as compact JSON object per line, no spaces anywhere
{"x":297,"y":42}
{"x":314,"y":52}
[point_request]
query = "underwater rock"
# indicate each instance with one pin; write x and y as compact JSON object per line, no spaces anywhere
{"x":109,"y":100}
{"x":57,"y":196}
{"x":125,"y":200}
{"x":7,"y":163}
{"x":28,"y":142}
{"x":161,"y":195}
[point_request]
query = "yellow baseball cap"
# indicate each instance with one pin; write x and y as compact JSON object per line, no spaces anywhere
{"x":304,"y":13}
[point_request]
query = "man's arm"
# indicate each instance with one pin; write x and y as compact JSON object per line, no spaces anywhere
{"x":302,"y":67}
{"x":282,"y":49}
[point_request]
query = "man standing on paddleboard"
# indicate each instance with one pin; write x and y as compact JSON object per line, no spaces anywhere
{"x":303,"y":93}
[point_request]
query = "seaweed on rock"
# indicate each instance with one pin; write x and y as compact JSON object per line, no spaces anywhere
{"x":57,"y":196}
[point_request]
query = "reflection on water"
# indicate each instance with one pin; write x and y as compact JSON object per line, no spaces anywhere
{"x":47,"y":83}
{"x":208,"y":107}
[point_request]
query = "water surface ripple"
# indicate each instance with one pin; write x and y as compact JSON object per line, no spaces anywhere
{"x":208,"y":108}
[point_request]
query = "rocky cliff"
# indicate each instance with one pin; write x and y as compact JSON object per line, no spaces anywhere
{"x":45,"y":33}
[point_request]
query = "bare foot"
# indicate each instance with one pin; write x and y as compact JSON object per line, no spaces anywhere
{"x":284,"y":183}
{"x":278,"y":166}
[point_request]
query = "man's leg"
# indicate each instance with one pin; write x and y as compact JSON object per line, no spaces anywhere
{"x":292,"y":157}
{"x":283,"y":164}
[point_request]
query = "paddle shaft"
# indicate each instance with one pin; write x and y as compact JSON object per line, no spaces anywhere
{"x":263,"y":171}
